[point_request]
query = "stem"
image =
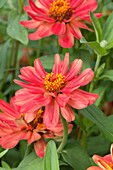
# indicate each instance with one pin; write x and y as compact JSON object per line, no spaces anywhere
{"x":20,"y":6}
{"x":65,"y":134}
{"x":9,"y":65}
{"x":84,"y":140}
{"x":101,"y":7}
{"x":95,"y":71}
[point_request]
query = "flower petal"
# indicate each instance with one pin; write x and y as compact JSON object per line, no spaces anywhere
{"x":74,"y":69}
{"x":30,"y":24}
{"x":57,"y":65}
{"x":68,"y":113}
{"x":34,"y":137}
{"x":51,"y":114}
{"x":61,"y":99}
{"x":75,"y":31}
{"x":58,"y":28}
{"x":66,"y":40}
{"x":94,"y":168}
{"x":40,"y":147}
{"x":65,"y":64}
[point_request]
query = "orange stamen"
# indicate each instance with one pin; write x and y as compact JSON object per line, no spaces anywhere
{"x":60,"y":10}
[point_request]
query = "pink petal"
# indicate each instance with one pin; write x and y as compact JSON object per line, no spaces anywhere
{"x":30,"y":24}
{"x":75,"y":4}
{"x":34,"y":137}
{"x":58,"y":28}
{"x":62,"y":99}
{"x":74,"y":69}
{"x":57,"y":65}
{"x":44,"y":4}
{"x":29,"y":74}
{"x":40,"y":147}
{"x":8,"y":109}
{"x":65,"y":65}
{"x":42,"y":31}
{"x":43,"y":100}
{"x":28,"y":9}
{"x":36,"y":9}
{"x":20,"y":123}
{"x":51,"y":114}
{"x":80,"y":24}
{"x":67,"y":113}
{"x":66,"y":40}
{"x":75,"y":31}
{"x":30,"y":88}
{"x":39,"y":69}
{"x":87,"y":17}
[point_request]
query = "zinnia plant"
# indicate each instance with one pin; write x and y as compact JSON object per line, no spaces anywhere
{"x":14,"y":127}
{"x":104,"y":163}
{"x":57,"y":91}
{"x":59,"y":17}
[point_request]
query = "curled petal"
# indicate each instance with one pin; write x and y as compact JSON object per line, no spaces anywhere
{"x":40,"y":147}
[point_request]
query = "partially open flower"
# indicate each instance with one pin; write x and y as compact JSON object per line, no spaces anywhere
{"x":104,"y":163}
{"x":57,"y":91}
{"x":14,"y":127}
{"x":59,"y":17}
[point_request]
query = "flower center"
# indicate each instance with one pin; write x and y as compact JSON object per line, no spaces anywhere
{"x":54,"y":83}
{"x":37,"y":123}
{"x":60,"y":10}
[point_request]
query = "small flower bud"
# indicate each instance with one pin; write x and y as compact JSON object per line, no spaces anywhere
{"x":103,"y":43}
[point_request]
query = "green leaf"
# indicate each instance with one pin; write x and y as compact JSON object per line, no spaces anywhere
{"x":108,"y":29}
{"x":3,"y":153}
{"x":2,"y":3}
{"x":94,"y":114}
{"x":96,"y":47}
{"x":79,"y":122}
{"x":4,"y":57}
{"x":32,"y":161}
{"x":109,"y":46}
{"x":15,"y":30}
{"x":100,"y":91}
{"x":51,"y":157}
{"x":5,"y":165}
{"x":76,"y":156}
{"x":97,"y":27}
{"x":107,"y":75}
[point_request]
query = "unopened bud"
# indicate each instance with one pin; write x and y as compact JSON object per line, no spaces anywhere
{"x":103,"y":43}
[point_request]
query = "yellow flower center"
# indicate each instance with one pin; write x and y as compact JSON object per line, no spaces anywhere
{"x":54,"y":83}
{"x":60,"y":10}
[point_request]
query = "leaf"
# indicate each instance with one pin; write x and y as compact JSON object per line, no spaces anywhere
{"x":94,"y":114}
{"x":97,"y":27}
{"x":51,"y":157}
{"x":109,"y":46}
{"x":5,"y":165}
{"x":96,"y":47}
{"x":3,"y":153}
{"x":32,"y":161}
{"x":2,"y":3}
{"x":15,"y":30}
{"x":108,"y":29}
{"x":4,"y":57}
{"x":79,"y":122}
{"x":107,"y":75}
{"x":76,"y":156}
{"x":100,"y":91}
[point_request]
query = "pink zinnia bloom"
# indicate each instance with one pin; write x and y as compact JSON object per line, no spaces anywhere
{"x":57,"y":91}
{"x":104,"y":163}
{"x":59,"y":17}
{"x":14,"y":127}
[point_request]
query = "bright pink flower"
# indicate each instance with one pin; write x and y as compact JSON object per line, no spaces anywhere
{"x":59,"y":17}
{"x":14,"y":127}
{"x":104,"y":163}
{"x":57,"y":91}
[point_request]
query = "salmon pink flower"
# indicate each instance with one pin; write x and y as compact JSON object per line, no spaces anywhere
{"x":57,"y":91}
{"x":59,"y":17}
{"x":14,"y":127}
{"x":104,"y":163}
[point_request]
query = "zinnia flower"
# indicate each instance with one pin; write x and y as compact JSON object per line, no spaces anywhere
{"x":59,"y":17}
{"x":14,"y":127}
{"x":57,"y":91}
{"x":104,"y":163}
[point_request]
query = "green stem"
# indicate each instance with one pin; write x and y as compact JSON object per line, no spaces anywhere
{"x":15,"y":59}
{"x":20,"y":6}
{"x":84,"y":140}
{"x":9,"y":65}
{"x":101,"y":7}
{"x":65,"y":134}
{"x":95,"y":71}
